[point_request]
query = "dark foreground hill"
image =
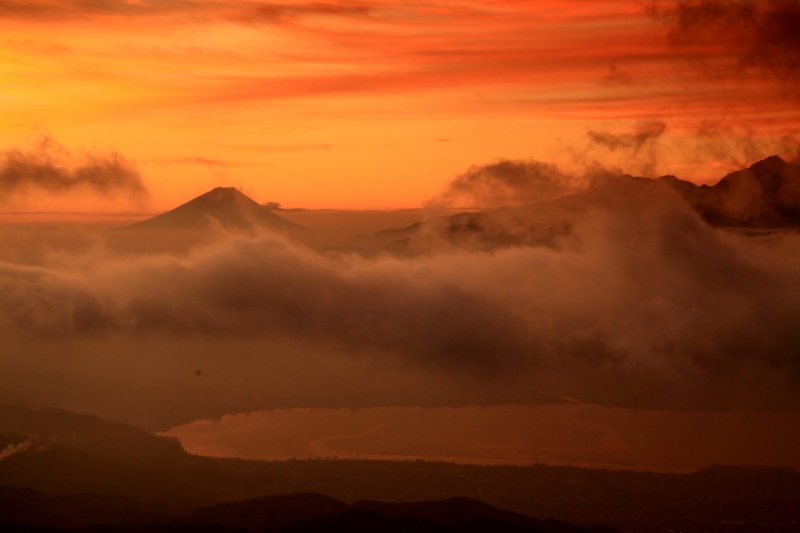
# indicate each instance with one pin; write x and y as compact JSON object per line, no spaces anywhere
{"x":69,"y":456}
{"x":312,"y":513}
{"x":45,"y":428}
{"x":223,"y":206}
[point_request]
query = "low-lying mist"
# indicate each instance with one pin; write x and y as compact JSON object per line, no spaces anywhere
{"x":619,"y":294}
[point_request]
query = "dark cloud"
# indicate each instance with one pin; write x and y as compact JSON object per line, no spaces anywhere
{"x":737,"y":147}
{"x":52,"y":169}
{"x":644,"y":133}
{"x":269,"y":287}
{"x":638,"y":150}
{"x":617,"y":76}
{"x":764,"y":35}
{"x":507,"y":182}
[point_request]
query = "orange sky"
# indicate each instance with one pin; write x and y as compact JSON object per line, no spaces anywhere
{"x":373,"y":104}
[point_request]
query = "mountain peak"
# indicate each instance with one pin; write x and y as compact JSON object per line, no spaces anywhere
{"x":771,"y":160}
{"x":766,"y":195}
{"x":224,"y":194}
{"x":772,"y":165}
{"x":226,"y":206}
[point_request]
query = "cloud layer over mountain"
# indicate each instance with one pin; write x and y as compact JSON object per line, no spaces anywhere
{"x":636,"y":301}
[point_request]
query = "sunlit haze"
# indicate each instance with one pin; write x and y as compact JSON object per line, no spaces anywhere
{"x":400,"y":266}
{"x":379,"y":104}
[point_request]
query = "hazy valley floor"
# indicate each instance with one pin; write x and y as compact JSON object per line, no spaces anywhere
{"x":566,"y":434}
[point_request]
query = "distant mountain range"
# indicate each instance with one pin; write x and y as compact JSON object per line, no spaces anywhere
{"x":223,"y":206}
{"x":61,"y":471}
{"x":765,"y":196}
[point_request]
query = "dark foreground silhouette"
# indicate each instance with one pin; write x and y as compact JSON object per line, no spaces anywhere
{"x":28,"y":510}
{"x":60,"y":470}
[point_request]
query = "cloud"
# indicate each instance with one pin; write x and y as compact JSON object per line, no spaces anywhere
{"x":507,"y":182}
{"x":240,"y":11}
{"x":53,"y":170}
{"x":643,"y":305}
{"x":205,"y":161}
{"x":274,"y":12}
{"x":68,"y":9}
{"x":607,"y":62}
{"x":761,"y":35}
{"x":644,"y":133}
{"x":11,"y":449}
{"x":639,"y":150}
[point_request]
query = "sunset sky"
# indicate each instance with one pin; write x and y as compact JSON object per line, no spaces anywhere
{"x":373,"y":104}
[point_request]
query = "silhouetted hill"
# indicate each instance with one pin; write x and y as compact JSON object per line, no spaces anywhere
{"x":34,"y":508}
{"x":462,"y":511}
{"x":764,"y":196}
{"x":25,"y":508}
{"x":358,"y":521}
{"x":268,"y":512}
{"x":47,"y":427}
{"x":225,"y":206}
{"x":60,"y":470}
{"x":450,"y":511}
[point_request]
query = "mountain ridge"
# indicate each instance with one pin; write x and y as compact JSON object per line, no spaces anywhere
{"x":766,"y":195}
{"x":48,"y":427}
{"x":309,"y":512}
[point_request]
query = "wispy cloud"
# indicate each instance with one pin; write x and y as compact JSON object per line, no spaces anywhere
{"x":507,"y":182}
{"x":54,"y":170}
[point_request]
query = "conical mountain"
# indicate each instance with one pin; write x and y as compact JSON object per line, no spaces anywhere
{"x":225,"y":206}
